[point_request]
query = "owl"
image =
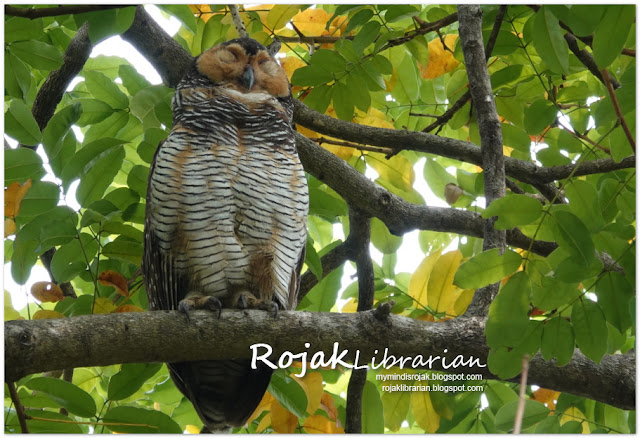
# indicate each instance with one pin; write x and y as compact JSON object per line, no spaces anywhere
{"x":226,"y":211}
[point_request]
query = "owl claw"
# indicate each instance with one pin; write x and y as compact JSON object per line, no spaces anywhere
{"x":271,"y":307}
{"x":213,"y":304}
{"x":208,"y":302}
{"x":184,"y":306}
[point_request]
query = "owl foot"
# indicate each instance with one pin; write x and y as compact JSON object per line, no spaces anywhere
{"x":208,"y":302}
{"x":247,"y":300}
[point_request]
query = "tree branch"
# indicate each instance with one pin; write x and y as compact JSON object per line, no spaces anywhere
{"x":33,"y":13}
{"x":237,"y":21}
{"x":616,"y":108}
{"x":15,"y":398}
{"x":100,"y":340}
{"x":484,"y":104}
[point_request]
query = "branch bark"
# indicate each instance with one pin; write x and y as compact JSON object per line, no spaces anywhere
{"x":484,"y":104}
{"x":100,"y":340}
{"x":32,"y":13}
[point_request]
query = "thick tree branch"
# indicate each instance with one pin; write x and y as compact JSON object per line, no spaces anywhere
{"x":100,"y":340}
{"x":168,"y":57}
{"x":484,"y":104}
{"x":33,"y":13}
{"x":398,"y":215}
{"x":399,"y":140}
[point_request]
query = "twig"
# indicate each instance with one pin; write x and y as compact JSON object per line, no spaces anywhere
{"x":616,"y":108}
{"x":32,"y":13}
{"x":523,"y":386}
{"x":237,"y":21}
{"x":361,"y":147}
{"x":586,"y":58}
{"x":19,"y":408}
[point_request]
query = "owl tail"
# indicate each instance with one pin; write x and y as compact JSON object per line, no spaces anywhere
{"x":224,"y":392}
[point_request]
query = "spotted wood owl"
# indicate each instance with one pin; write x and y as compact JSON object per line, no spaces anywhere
{"x":226,"y":211}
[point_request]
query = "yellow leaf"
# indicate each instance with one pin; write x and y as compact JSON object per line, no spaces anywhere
{"x":290,"y":64}
{"x":440,"y":288}
{"x":202,"y":11}
{"x":328,"y":405}
{"x":350,"y":306}
{"x":127,"y":308}
{"x":13,"y":197}
{"x":320,"y":424}
{"x":341,"y":151}
{"x":575,"y":414}
{"x":397,"y":170}
{"x":420,"y":278}
{"x":9,"y":312}
{"x":280,"y":15}
{"x":264,"y":423}
{"x":311,"y":21}
{"x":374,"y":117}
{"x":191,"y":429}
{"x":9,"y":227}
{"x":47,"y":314}
{"x":115,"y":280}
{"x":311,"y":383}
{"x":425,"y":415}
{"x":282,"y":420}
{"x":47,"y":292}
{"x":441,"y":60}
{"x":104,"y":305}
{"x":265,"y":403}
{"x":462,"y":302}
{"x":395,"y":408}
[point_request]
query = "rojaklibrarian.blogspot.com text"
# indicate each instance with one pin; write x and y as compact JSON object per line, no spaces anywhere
{"x":381,"y":359}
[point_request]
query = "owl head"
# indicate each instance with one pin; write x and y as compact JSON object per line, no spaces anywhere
{"x":245,"y":65}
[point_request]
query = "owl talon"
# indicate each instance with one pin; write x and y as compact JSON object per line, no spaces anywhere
{"x":213,"y":304}
{"x":184,"y":306}
{"x":271,"y":307}
{"x":242,"y":302}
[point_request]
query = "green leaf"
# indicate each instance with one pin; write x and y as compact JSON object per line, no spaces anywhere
{"x":137,"y":179}
{"x":100,"y":176}
{"x":125,"y":250}
{"x":408,"y":78}
{"x":367,"y":35}
{"x":486,"y":268}
{"x":538,"y":116}
{"x":18,"y":77}
{"x":145,"y":101}
{"x":311,"y":75}
{"x":22,"y":29}
{"x":57,"y":144}
{"x":289,"y":394}
{"x":67,"y":395}
{"x":86,"y":157}
{"x":280,"y":15}
{"x":184,"y":14}
{"x":37,"y":54}
{"x":342,"y":101}
{"x":312,"y":259}
{"x":105,"y":90}
{"x":508,"y":313}
{"x":557,"y":341}
{"x":534,"y":412}
{"x":515,"y":137}
{"x":40,"y":198}
{"x":400,"y":12}
{"x":574,"y":236}
{"x":109,"y":127}
{"x":329,"y":60}
{"x":583,"y":19}
{"x":506,"y":76}
{"x":382,"y":239}
{"x":498,"y":394}
{"x":21,"y":164}
{"x":130,"y":379}
{"x":132,"y":80}
{"x":513,"y":210}
{"x":590,"y":328}
{"x":372,"y":410}
{"x":322,"y":297}
{"x":395,"y":406}
{"x":614,"y":296}
{"x":103,"y":24}
{"x":358,"y":19}
{"x":611,"y":34}
{"x":359,"y":92}
{"x":128,"y":419}
{"x":437,"y":177}
{"x":549,"y":41}
{"x":93,"y":111}
{"x":69,"y":260}
{"x":582,"y":199}
{"x":20,"y":124}
{"x":552,"y":293}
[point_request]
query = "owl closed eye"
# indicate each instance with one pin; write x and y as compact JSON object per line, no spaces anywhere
{"x":244,"y":65}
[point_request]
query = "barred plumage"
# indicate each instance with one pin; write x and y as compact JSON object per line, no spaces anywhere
{"x":226,"y":212}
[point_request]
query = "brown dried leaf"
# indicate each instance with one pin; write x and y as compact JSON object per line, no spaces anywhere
{"x":127,"y":308}
{"x":452,"y":193}
{"x":116,"y":280}
{"x":47,"y":292}
{"x":47,"y":314}
{"x":9,"y":227}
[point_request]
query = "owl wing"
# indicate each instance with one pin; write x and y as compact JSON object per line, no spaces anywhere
{"x":165,"y":286}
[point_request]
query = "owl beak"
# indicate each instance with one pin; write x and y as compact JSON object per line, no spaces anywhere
{"x":247,"y":77}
